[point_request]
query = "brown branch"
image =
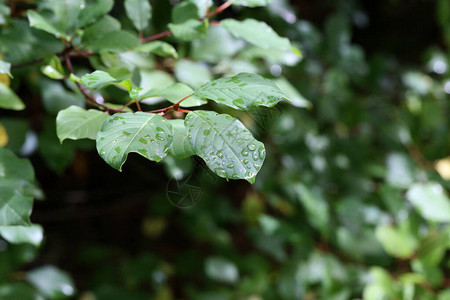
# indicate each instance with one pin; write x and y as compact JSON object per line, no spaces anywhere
{"x":175,"y":107}
{"x":218,"y":9}
{"x":89,"y":98}
{"x":157,"y":36}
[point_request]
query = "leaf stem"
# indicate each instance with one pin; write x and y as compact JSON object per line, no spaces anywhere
{"x":175,"y":107}
{"x":218,"y":9}
{"x":137,"y":104}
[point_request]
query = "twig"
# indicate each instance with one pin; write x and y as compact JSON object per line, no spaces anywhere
{"x":175,"y":107}
{"x":157,"y":36}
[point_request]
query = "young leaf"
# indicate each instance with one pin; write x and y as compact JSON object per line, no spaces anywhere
{"x":159,"y":48}
{"x":97,"y":80}
{"x":9,"y":99}
{"x":148,"y":134}
{"x":94,"y":11}
{"x":16,"y":183}
{"x":115,"y":41}
{"x":257,"y":33}
{"x":430,"y":200}
{"x":53,"y":68}
{"x":139,"y":12}
{"x":175,"y":93}
{"x":77,"y":123}
{"x":251,"y":3}
{"x":180,"y":148}
{"x":243,"y":91}
{"x":39,"y":22}
{"x":189,"y":30}
{"x":224,"y":143}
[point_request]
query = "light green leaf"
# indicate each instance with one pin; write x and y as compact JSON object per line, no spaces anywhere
{"x":224,"y":143}
{"x":23,"y":234}
{"x":52,"y":282}
{"x":53,"y":68}
{"x":67,"y":12}
{"x":243,"y":91}
{"x":9,"y":99}
{"x":16,"y":189}
{"x":257,"y":33}
{"x":184,"y":11}
{"x":5,"y":68}
{"x":99,"y":29}
{"x":175,"y":93}
{"x":291,"y":93}
{"x":430,"y":200}
{"x":202,"y":6}
{"x":97,"y":80}
{"x":39,"y":22}
{"x":221,"y":270}
{"x":139,"y":12}
{"x":115,"y":41}
{"x":148,"y":134}
{"x":251,"y":3}
{"x":192,"y":73}
{"x":396,"y":242}
{"x":132,"y":91}
{"x":77,"y":123}
{"x":180,"y":148}
{"x":159,"y":48}
{"x":189,"y":30}
{"x":94,"y":11}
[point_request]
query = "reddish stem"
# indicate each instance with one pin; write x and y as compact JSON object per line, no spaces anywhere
{"x":137,"y":104}
{"x":157,"y":36}
{"x":218,"y":9}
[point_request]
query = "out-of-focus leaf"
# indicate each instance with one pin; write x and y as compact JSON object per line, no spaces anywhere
{"x":192,"y":73}
{"x":180,"y":148}
{"x":184,"y":11}
{"x":9,"y":99}
{"x":139,"y":12}
{"x":430,"y":200}
{"x":98,"y":79}
{"x":53,"y":68}
{"x":39,"y":22}
{"x":52,"y":282}
{"x":189,"y":30}
{"x":175,"y":93}
{"x":23,"y":234}
{"x":94,"y":11}
{"x":221,"y":270}
{"x":115,"y":41}
{"x":159,"y":48}
{"x":251,"y":3}
{"x":5,"y":68}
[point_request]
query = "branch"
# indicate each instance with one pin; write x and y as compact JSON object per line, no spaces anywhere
{"x":89,"y":98}
{"x":59,"y":54}
{"x":175,"y":107}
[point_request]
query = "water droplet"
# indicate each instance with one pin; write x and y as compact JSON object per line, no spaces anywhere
{"x":159,"y":129}
{"x":262,"y":153}
{"x":245,"y":161}
{"x":252,"y":147}
{"x":221,"y":172}
{"x":231,"y":166}
{"x":255,"y":156}
{"x":220,"y":154}
{"x":160,"y":137}
{"x":115,"y":141}
{"x":244,"y":152}
{"x":117,"y":149}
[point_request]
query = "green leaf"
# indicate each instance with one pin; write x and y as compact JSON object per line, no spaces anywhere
{"x":39,"y":22}
{"x":192,"y":73}
{"x":5,"y":68}
{"x":53,"y":68}
{"x":148,"y":134}
{"x":9,"y":99}
{"x":77,"y":123}
{"x":189,"y":30}
{"x":243,"y":91}
{"x":395,"y":241}
{"x":291,"y":93}
{"x":94,"y":11}
{"x":139,"y":12}
{"x":16,"y":185}
{"x":56,"y":97}
{"x":224,"y":143}
{"x":180,"y":148}
{"x":66,"y":12}
{"x":159,"y":48}
{"x":115,"y":41}
{"x":23,"y":234}
{"x":430,"y":200}
{"x":97,"y":80}
{"x":99,"y":29}
{"x":257,"y":33}
{"x":175,"y":93}
{"x":202,"y":6}
{"x":221,"y":270}
{"x":251,"y":3}
{"x":52,"y":282}
{"x":184,"y":11}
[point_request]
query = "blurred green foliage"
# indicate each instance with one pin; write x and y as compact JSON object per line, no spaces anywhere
{"x":352,"y":201}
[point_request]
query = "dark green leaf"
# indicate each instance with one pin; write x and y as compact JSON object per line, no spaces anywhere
{"x":39,"y":22}
{"x":99,"y":29}
{"x":184,"y":11}
{"x":93,"y":11}
{"x":115,"y":41}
